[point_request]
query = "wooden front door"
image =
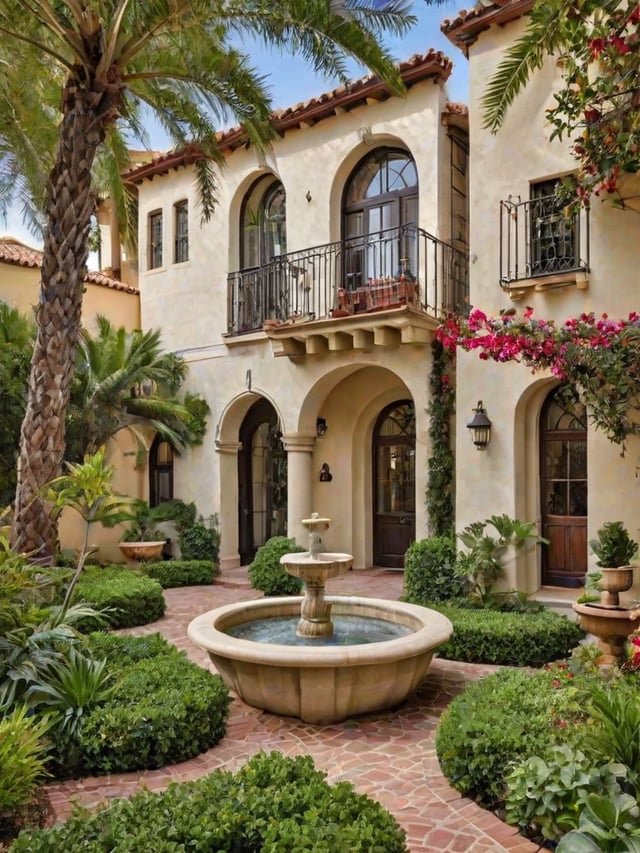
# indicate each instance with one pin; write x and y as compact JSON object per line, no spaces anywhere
{"x":394,"y":497}
{"x":564,"y":490}
{"x":262,"y":480}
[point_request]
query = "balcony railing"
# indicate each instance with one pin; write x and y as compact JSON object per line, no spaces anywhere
{"x":537,"y":239}
{"x":404,"y":265}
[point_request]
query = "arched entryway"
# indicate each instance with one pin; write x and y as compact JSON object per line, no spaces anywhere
{"x":394,"y":490}
{"x":262,"y":480}
{"x":563,"y":488}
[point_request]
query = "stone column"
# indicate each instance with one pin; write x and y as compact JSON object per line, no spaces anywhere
{"x":299,"y":447}
{"x":228,"y":503}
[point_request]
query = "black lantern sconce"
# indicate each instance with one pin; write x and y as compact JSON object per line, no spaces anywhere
{"x":321,"y":427}
{"x":480,"y":427}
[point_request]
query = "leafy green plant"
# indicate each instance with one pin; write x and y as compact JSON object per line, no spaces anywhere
{"x":613,"y":546}
{"x":143,"y":520}
{"x":86,"y":488}
{"x":69,"y":689}
{"x":483,"y":564}
{"x":23,"y":757}
{"x":510,"y":639}
{"x":266,"y":572}
{"x":503,"y":720}
{"x":547,"y":795}
{"x":608,"y":824}
{"x":615,"y":709}
{"x":429,"y":570}
{"x":441,"y":464}
{"x":273,"y":803}
{"x":175,"y":573}
{"x":124,"y":596}
{"x":200,"y":543}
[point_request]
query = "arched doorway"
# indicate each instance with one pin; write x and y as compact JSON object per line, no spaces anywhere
{"x":563,"y":488}
{"x":160,"y":471}
{"x":262,"y":480}
{"x":394,"y":491}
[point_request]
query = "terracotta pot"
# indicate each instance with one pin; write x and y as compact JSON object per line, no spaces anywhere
{"x":142,"y":551}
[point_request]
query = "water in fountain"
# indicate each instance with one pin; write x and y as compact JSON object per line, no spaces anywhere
{"x":347,"y":631}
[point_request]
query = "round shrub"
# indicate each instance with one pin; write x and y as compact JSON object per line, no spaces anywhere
{"x":272,"y":803}
{"x":174,"y":573}
{"x":429,"y":570}
{"x":133,"y":598}
{"x":163,"y":709}
{"x":266,"y":572}
{"x":505,"y":718}
{"x":199,"y":543}
{"x":521,"y":638}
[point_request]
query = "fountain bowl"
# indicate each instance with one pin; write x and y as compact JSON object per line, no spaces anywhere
{"x":322,"y":684}
{"x":611,"y":627}
{"x":316,"y":568}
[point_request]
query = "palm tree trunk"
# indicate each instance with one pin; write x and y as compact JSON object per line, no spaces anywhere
{"x":69,"y":207}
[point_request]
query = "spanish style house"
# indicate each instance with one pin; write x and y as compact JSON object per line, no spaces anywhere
{"x":544,"y":461}
{"x":306,"y":307}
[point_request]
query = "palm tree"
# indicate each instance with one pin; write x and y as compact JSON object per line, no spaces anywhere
{"x":125,"y":381}
{"x":108,"y":58}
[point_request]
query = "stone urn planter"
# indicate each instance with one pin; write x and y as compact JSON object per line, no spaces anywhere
{"x":142,"y":551}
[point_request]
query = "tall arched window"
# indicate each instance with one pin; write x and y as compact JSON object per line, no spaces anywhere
{"x":264,"y":223}
{"x":160,"y":472}
{"x":381,"y":202}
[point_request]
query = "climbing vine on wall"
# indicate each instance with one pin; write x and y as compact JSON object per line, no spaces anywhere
{"x":441,"y":466}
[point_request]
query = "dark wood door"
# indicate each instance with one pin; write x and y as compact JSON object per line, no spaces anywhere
{"x":394,"y":520}
{"x":262,"y":480}
{"x":564,"y":488}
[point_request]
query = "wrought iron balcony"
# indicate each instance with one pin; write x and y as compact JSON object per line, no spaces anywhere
{"x":399,"y":266}
{"x":537,"y":239}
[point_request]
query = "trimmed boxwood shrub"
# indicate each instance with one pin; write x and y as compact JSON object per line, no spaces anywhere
{"x":519,"y":638}
{"x":133,"y":598}
{"x":273,"y":803}
{"x":200,"y":543}
{"x":266,"y":572}
{"x":164,"y":709}
{"x":429,"y":570}
{"x":174,"y":573}
{"x":506,"y":717}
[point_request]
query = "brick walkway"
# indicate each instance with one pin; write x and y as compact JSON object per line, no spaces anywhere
{"x":390,"y":756}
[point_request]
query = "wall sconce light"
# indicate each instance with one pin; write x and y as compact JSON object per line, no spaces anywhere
{"x":321,"y":427}
{"x":480,"y":427}
{"x":308,"y":195}
{"x":325,"y":473}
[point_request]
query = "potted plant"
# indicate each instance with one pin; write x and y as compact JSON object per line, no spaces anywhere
{"x":615,"y":549}
{"x":142,"y":540}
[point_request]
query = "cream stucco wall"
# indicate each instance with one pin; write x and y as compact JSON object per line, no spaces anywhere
{"x":347,"y":388}
{"x":504,"y":479}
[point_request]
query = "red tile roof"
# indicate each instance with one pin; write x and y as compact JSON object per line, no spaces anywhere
{"x":430,"y":65}
{"x":465,"y":28}
{"x":12,"y":251}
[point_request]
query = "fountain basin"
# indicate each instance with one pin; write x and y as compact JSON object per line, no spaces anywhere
{"x":316,"y":569}
{"x":611,"y":627}
{"x":322,"y":684}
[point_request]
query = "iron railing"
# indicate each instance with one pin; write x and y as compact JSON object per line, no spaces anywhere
{"x":404,"y":265}
{"x":538,"y":239}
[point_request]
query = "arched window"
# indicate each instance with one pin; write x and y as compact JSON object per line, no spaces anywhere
{"x":381,"y":202}
{"x":160,"y":472}
{"x":264,"y":223}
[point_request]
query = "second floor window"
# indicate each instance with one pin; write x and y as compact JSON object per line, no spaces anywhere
{"x":181,"y":253}
{"x":155,"y":239}
{"x":553,"y":235}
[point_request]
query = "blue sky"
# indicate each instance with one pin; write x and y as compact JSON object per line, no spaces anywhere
{"x":292,"y":81}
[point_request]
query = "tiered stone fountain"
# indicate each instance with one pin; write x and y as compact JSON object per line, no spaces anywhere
{"x":608,"y":620}
{"x":327,"y":658}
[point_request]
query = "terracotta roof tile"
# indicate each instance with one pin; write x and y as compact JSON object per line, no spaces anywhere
{"x":465,"y":28}
{"x":433,"y":65}
{"x":12,"y":251}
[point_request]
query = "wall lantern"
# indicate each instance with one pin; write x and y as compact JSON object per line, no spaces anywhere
{"x":480,"y":427}
{"x":321,"y":427}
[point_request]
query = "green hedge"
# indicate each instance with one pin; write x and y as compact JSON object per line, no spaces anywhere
{"x":273,"y":803}
{"x":506,"y":717}
{"x":429,"y":570}
{"x":509,"y":639}
{"x":266,"y":572}
{"x":164,"y":709}
{"x":174,"y":573}
{"x":133,"y":598}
